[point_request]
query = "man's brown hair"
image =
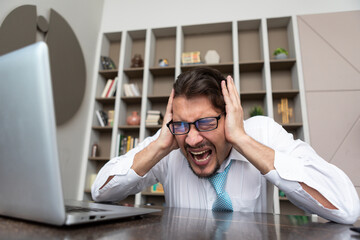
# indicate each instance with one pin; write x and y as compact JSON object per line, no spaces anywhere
{"x":201,"y":81}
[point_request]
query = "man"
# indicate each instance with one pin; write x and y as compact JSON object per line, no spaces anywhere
{"x":205,"y":136}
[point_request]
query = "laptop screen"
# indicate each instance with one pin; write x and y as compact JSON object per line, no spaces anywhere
{"x":30,"y":185}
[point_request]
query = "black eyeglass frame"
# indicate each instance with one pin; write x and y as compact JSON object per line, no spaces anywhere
{"x":194,"y":123}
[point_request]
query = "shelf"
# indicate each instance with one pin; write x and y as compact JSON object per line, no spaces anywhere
{"x":102,"y":129}
{"x":251,"y":66}
{"x":291,"y":93}
{"x":292,"y":126}
{"x":109,"y":100}
{"x":163,"y":71}
{"x":129,"y":127}
{"x":222,"y":67}
{"x":283,"y":64}
{"x":146,"y":193}
{"x":153,"y":127}
{"x":158,"y":99}
{"x":109,"y":74}
{"x":99,"y":158}
{"x":134,"y":72}
{"x":131,"y":99}
{"x":255,"y":95}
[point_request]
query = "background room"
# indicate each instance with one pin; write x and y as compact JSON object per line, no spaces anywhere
{"x":321,"y":73}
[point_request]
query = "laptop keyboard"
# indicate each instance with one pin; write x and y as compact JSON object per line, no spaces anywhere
{"x":71,"y":209}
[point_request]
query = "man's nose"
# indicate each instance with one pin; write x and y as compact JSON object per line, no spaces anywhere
{"x":193,"y":137}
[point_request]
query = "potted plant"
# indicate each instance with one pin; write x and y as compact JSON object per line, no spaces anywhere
{"x":280,"y":53}
{"x":255,"y":111}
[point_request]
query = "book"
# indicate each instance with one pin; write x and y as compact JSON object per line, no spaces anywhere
{"x":112,"y":88}
{"x":126,"y":143}
{"x":109,"y":89}
{"x":102,"y":118}
{"x":131,"y":90}
{"x":154,"y":117}
{"x":127,"y":90}
{"x":99,"y":118}
{"x":135,"y":90}
{"x":157,"y":188}
{"x":106,"y":88}
{"x":110,"y":118}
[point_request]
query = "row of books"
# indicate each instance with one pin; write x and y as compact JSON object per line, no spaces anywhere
{"x":110,"y":88}
{"x":131,"y":90}
{"x":107,"y":63}
{"x":154,"y":117}
{"x":105,"y":119}
{"x":126,"y":143}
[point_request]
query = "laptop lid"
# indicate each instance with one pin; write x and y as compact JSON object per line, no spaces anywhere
{"x":30,"y":185}
{"x":30,"y":182}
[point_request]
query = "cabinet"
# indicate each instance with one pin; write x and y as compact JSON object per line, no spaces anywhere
{"x":246,"y":52}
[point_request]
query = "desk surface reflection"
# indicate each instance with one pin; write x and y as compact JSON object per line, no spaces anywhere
{"x":176,"y":223}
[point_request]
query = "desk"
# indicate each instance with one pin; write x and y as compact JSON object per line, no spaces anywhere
{"x":175,"y":223}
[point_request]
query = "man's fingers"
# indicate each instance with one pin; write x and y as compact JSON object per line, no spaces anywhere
{"x":168,"y":114}
{"x":225,"y":92}
{"x":234,"y":95}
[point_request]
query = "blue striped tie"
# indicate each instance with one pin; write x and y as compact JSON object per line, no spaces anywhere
{"x":223,"y":201}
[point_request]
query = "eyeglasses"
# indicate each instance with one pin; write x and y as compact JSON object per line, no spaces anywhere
{"x":202,"y":125}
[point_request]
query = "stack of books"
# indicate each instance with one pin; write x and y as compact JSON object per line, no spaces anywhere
{"x":131,"y":90}
{"x":126,"y":143}
{"x":105,"y":119}
{"x":154,"y":117}
{"x":110,"y":88}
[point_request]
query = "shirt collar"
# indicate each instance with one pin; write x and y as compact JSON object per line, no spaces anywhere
{"x":234,"y":155}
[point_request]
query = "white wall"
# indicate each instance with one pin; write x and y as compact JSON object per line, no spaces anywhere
{"x":141,"y":14}
{"x":84,"y":16}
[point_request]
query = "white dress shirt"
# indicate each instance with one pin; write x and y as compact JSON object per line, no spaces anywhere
{"x":295,"y":161}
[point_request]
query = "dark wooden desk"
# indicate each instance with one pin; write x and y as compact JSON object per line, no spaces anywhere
{"x":174,"y":223}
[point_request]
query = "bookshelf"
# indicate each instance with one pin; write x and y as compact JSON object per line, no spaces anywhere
{"x":246,"y":52}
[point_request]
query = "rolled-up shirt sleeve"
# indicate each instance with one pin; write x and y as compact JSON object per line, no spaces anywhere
{"x":125,"y":181}
{"x":295,"y":162}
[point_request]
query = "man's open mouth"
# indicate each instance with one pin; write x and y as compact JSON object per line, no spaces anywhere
{"x":201,"y":157}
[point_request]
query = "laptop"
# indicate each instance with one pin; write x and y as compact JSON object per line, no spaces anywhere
{"x":30,"y":182}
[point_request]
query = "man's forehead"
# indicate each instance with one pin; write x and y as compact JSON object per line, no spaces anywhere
{"x":190,"y":109}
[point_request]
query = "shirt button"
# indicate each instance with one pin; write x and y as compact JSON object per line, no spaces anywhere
{"x":129,"y":179}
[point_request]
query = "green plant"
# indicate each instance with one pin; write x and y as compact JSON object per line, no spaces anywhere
{"x":280,"y":50}
{"x":255,"y":111}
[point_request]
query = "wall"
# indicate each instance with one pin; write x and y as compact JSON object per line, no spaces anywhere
{"x":84,"y":16}
{"x":141,"y":14}
{"x":331,"y":64}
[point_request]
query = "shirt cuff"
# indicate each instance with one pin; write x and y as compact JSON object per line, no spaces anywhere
{"x":283,"y":184}
{"x":288,"y":167}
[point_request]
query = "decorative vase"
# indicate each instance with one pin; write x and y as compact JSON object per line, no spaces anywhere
{"x":212,"y":57}
{"x":281,"y":56}
{"x":133,"y":119}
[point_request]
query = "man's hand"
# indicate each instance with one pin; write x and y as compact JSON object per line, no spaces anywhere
{"x":162,"y":146}
{"x":166,"y":140}
{"x":258,"y":154}
{"x":234,"y":121}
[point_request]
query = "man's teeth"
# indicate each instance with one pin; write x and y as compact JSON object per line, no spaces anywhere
{"x":200,"y":153}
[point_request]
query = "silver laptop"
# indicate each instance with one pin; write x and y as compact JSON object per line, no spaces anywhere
{"x":30,"y":184}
